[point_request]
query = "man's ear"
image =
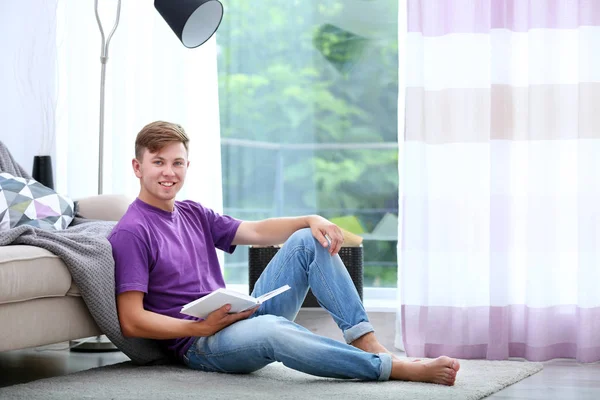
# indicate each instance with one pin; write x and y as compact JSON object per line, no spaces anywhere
{"x":136,"y":167}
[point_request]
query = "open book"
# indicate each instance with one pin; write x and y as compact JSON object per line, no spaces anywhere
{"x":239,"y":302}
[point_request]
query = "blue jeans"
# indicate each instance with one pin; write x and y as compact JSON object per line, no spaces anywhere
{"x":271,"y":335}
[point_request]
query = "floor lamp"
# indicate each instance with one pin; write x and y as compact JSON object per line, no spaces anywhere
{"x":194,"y":22}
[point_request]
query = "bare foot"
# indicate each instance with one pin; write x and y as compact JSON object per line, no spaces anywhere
{"x":442,"y":371}
{"x":370,"y":344}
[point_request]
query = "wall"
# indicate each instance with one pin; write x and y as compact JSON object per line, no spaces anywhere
{"x":27,"y":78}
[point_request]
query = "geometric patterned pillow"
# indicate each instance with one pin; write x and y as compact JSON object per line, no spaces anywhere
{"x":28,"y":202}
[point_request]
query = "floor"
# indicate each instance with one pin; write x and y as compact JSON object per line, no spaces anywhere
{"x":560,"y":379}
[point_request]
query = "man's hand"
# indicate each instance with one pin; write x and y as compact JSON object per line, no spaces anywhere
{"x":220,"y":318}
{"x":320,"y":227}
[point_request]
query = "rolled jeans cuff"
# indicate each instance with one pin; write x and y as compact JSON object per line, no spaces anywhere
{"x":386,"y":366}
{"x":358,"y":330}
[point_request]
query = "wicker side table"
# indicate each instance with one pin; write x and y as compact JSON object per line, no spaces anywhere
{"x":259,"y":258}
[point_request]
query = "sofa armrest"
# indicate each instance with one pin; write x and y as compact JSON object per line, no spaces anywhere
{"x":106,"y":207}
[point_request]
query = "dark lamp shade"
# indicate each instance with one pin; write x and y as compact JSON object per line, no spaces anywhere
{"x":193,"y":21}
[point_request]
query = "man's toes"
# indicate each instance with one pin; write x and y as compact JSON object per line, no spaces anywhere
{"x":447,"y":382}
{"x":446,"y":361}
{"x":455,"y":365}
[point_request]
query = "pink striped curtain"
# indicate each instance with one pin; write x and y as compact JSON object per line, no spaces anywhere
{"x":500,"y":180}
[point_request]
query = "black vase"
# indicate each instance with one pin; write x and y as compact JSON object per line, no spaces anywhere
{"x":42,"y":170}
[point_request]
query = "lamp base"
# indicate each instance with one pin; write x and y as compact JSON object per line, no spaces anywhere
{"x":96,"y":344}
{"x":42,"y":171}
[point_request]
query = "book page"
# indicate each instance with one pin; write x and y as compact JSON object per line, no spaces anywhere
{"x":272,"y":293}
{"x":239,"y":301}
{"x":202,"y":307}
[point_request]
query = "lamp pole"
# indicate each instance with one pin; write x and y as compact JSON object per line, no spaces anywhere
{"x":100,"y":342}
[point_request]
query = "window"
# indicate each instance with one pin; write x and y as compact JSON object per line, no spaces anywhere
{"x":308,"y":101}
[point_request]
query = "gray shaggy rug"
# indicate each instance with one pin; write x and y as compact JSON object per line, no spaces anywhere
{"x":476,"y":379}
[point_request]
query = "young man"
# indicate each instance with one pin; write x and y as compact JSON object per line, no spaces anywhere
{"x":165,"y":257}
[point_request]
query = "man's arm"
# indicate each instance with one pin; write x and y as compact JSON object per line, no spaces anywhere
{"x":274,"y":231}
{"x":137,"y":322}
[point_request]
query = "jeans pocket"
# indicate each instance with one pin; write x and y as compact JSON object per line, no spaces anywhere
{"x":194,"y":363}
{"x":187,"y":360}
{"x":193,"y":360}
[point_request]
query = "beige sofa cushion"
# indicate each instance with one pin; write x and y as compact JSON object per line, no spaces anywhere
{"x":106,"y":207}
{"x":29,"y":272}
{"x":44,"y":321}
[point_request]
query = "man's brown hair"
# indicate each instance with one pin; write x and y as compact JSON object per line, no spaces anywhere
{"x":157,"y":135}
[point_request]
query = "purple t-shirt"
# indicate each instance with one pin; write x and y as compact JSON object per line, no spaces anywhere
{"x":171,"y":257}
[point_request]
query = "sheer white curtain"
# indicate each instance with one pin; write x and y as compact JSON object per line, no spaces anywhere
{"x":150,"y":76}
{"x":500,"y":180}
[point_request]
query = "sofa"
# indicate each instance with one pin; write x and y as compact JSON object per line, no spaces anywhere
{"x":39,"y":302}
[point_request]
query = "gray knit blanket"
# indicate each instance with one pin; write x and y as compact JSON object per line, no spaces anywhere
{"x":88,"y":255}
{"x":8,"y":164}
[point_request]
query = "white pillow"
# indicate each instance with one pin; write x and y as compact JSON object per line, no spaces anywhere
{"x":28,"y":202}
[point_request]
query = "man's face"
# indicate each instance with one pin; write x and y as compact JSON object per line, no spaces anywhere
{"x":161,"y":174}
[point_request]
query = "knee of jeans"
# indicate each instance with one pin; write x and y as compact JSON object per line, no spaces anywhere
{"x":302,"y":236}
